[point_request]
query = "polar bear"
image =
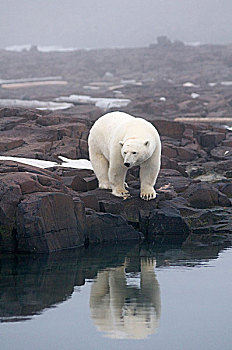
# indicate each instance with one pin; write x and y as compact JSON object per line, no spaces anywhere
{"x":119,"y":141}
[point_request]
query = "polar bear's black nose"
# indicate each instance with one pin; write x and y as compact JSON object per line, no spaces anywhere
{"x":127,"y":164}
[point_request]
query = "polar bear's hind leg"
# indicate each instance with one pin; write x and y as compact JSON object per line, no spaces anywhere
{"x":101,"y":168}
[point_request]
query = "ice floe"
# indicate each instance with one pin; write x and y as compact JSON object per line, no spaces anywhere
{"x":52,"y":106}
{"x":66,"y":162}
{"x":103,"y":103}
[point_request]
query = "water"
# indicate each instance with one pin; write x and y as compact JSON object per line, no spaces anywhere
{"x":130,"y":297}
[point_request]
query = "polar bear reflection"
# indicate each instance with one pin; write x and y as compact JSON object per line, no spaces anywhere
{"x":122,"y":310}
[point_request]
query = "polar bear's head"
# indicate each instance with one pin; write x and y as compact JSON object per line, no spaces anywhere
{"x":135,"y":151}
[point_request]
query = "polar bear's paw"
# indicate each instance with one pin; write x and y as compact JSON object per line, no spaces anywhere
{"x":148,"y":193}
{"x":104,"y":186}
{"x":120,"y":192}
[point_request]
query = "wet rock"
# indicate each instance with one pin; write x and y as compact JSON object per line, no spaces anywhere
{"x":162,"y":226}
{"x":108,"y":227}
{"x":37,"y":212}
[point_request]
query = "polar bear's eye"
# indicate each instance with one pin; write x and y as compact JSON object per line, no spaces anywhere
{"x":124,"y":152}
{"x":134,"y":152}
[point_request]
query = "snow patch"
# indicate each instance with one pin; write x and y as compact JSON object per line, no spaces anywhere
{"x":194,"y":95}
{"x":66,"y":162}
{"x":103,"y":103}
{"x":189,"y":84}
{"x":226,"y":83}
{"x":52,"y":106}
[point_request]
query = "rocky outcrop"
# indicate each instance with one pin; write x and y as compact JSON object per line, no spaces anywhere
{"x":38,"y":213}
{"x":50,"y":210}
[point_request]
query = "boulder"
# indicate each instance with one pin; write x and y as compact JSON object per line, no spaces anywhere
{"x":48,"y":222}
{"x":204,"y":195}
{"x":164,"y":226}
{"x":105,"y":227}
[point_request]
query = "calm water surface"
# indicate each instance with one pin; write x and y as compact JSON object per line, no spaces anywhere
{"x":130,"y":297}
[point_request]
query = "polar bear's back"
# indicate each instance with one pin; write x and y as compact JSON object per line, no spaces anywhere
{"x":112,"y":120}
{"x":105,"y":127}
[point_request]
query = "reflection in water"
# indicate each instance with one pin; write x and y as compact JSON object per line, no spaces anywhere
{"x":122,"y":309}
{"x":125,"y":294}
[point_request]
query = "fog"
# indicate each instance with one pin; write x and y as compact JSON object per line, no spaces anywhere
{"x":108,"y":23}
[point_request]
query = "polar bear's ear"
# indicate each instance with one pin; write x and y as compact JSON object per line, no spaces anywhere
{"x":121,"y":143}
{"x":146,"y":143}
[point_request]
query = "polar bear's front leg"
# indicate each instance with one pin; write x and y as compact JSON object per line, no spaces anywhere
{"x":149,"y":171}
{"x":117,"y":175}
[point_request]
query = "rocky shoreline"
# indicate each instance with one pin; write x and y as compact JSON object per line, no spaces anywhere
{"x":49,"y":210}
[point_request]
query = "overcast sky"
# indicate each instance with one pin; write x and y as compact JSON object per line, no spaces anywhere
{"x":109,"y":23}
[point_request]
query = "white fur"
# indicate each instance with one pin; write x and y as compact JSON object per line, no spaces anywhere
{"x":117,"y":139}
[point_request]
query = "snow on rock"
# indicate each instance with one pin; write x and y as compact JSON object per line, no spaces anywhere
{"x":66,"y":162}
{"x":194,"y":95}
{"x":189,"y":84}
{"x":103,"y":103}
{"x":226,"y":83}
{"x":52,"y":106}
{"x":34,"y":162}
{"x":76,"y":163}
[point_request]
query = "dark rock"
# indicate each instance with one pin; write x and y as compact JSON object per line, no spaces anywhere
{"x":45,"y":121}
{"x":204,"y":195}
{"x":91,"y":201}
{"x":170,"y":128}
{"x":81,"y":184}
{"x":167,"y":163}
{"x":35,"y":209}
{"x":162,"y":226}
{"x":225,"y":188}
{"x":169,"y":151}
{"x":110,"y":228}
{"x":110,"y":207}
{"x":211,"y":139}
{"x":221,"y":152}
{"x":179,"y":183}
{"x":48,"y":222}
{"x":186,"y":154}
{"x":8,"y":144}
